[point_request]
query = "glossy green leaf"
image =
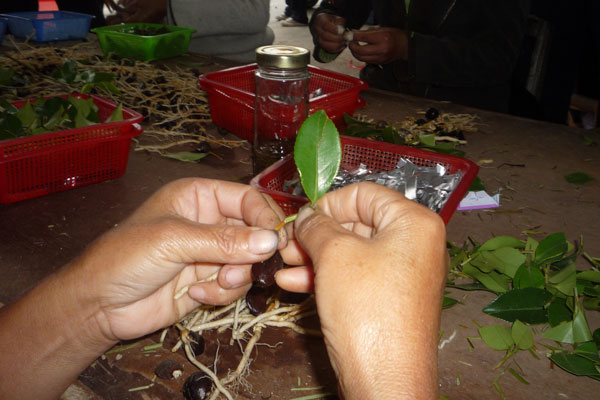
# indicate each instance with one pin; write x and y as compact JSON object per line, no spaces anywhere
{"x":498,"y":337}
{"x":578,"y":178}
{"x":527,"y":305}
{"x":575,"y":364}
{"x":558,"y":312}
{"x":494,"y":281}
{"x":522,"y":335}
{"x":511,"y":258}
{"x":318,"y":154}
{"x":564,"y":280}
{"x":528,"y":276}
{"x":502,"y":241}
{"x":551,"y":248}
{"x":185,"y":156}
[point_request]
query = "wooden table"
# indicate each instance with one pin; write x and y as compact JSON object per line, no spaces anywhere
{"x":527,"y":160}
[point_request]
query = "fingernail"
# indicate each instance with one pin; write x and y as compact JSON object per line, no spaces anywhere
{"x":235,"y":278}
{"x":304,"y":213}
{"x":197,"y":293}
{"x":263,"y":241}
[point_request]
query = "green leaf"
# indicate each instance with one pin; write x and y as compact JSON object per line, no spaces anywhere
{"x":575,"y":364}
{"x":476,"y":185}
{"x":494,"y":281}
{"x":448,"y":302}
{"x":589,"y":275}
{"x":67,"y":73}
{"x":498,"y":337}
{"x":27,"y":115}
{"x":527,"y":305}
{"x":551,"y":248}
{"x":318,"y":154}
{"x":186,"y":156}
{"x":564,"y":280}
{"x":117,"y":115}
{"x":578,"y":178}
{"x":531,"y":244}
{"x":511,"y":258}
{"x":571,"y":332}
{"x":487,"y":262}
{"x":591,"y":303}
{"x":502,"y":241}
{"x":522,"y":335}
{"x":558,"y":312}
{"x":528,"y":276}
{"x":10,"y":127}
{"x":581,"y":329}
{"x":427,"y":140}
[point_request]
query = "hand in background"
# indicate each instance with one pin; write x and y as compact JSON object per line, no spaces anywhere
{"x":379,"y":269}
{"x":379,"y":45}
{"x":152,"y":11}
{"x":326,"y":29}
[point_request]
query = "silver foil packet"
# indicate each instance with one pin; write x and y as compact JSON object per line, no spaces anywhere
{"x":430,"y":186}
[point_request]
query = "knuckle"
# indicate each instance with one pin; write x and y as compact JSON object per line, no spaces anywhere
{"x":226,"y":239}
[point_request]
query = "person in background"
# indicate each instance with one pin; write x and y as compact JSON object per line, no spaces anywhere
{"x":295,"y":12}
{"x":462,"y":51}
{"x":230,"y":29}
{"x":376,"y":262}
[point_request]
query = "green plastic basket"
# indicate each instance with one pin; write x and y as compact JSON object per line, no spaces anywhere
{"x":124,"y":40}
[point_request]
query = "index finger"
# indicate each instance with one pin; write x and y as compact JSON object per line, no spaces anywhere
{"x":214,"y":202}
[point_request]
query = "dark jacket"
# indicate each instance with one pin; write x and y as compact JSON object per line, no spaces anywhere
{"x":463,"y":51}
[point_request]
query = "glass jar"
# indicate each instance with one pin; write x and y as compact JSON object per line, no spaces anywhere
{"x":281,"y":102}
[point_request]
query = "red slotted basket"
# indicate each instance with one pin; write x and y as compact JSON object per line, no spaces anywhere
{"x":41,"y":164}
{"x":231,"y":96}
{"x":377,"y":156}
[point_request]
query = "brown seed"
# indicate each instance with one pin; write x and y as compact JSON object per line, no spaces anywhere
{"x":256,"y":299}
{"x":263,"y":273}
{"x":196,"y":343}
{"x":169,"y":369}
{"x":197,"y":387}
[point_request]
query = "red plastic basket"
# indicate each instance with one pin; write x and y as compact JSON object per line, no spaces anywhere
{"x":377,"y":156}
{"x":231,"y":96}
{"x":41,"y":164}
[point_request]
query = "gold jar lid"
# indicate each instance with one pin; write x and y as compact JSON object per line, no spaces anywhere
{"x":282,"y":56}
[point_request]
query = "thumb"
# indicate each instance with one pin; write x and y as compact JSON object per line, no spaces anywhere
{"x":183,"y":241}
{"x":315,"y":231}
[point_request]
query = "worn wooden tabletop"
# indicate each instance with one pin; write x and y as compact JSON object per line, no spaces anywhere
{"x":526,"y":161}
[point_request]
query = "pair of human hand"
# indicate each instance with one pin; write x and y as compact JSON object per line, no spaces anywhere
{"x":375,"y":260}
{"x":381,"y":45}
{"x":128,"y":11}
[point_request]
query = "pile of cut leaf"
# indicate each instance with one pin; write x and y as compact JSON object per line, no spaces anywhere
{"x":50,"y":115}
